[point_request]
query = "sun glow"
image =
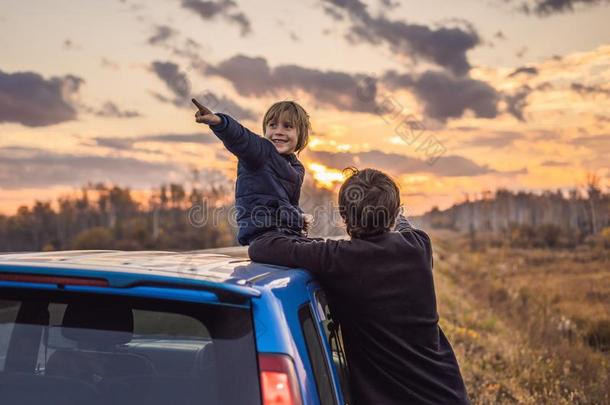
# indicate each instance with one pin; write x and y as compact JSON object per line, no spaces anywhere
{"x":325,"y":176}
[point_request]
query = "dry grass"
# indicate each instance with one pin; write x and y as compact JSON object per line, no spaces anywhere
{"x":529,"y":326}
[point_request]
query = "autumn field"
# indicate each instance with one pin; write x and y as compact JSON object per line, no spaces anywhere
{"x":529,"y":326}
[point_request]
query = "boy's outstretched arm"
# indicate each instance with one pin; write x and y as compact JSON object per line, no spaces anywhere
{"x":313,"y":255}
{"x":239,"y":140}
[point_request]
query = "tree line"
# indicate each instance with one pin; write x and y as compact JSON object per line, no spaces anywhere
{"x":110,"y":217}
{"x":547,"y":219}
{"x":177,"y":217}
{"x":174,"y":217}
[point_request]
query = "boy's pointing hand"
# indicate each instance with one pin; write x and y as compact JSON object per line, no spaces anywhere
{"x":204,"y":115}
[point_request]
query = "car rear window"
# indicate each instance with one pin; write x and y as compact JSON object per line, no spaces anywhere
{"x":66,"y":348}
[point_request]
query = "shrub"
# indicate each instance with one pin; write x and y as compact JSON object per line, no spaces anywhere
{"x":598,"y":335}
{"x":605,"y":235}
{"x":94,"y":238}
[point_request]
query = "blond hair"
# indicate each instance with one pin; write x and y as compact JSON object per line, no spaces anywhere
{"x":296,"y":115}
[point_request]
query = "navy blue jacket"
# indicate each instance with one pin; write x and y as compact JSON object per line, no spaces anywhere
{"x":381,"y":292}
{"x":268,"y":184}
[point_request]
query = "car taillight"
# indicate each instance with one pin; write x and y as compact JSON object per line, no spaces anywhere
{"x":279,"y":384}
{"x":42,"y":279}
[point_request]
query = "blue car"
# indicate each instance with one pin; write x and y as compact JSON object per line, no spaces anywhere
{"x":101,"y":327}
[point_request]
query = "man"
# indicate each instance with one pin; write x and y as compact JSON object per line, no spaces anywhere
{"x":381,"y":292}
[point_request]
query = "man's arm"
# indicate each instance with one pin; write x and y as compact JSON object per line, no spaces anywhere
{"x":402,"y":224}
{"x":313,"y":255}
{"x":414,"y":236}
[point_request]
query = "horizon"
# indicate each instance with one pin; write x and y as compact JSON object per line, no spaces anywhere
{"x":142,"y":197}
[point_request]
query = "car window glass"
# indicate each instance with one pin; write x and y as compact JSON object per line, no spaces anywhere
{"x":316,"y":356}
{"x":333,"y":334}
{"x":167,"y":324}
{"x":8,"y":314}
{"x":69,"y":348}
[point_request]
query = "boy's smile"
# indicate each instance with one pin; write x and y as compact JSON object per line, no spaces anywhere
{"x":283,"y":135}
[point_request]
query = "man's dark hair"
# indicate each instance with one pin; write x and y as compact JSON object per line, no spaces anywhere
{"x":369,"y":201}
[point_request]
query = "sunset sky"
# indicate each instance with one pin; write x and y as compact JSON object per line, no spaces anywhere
{"x":449,"y":97}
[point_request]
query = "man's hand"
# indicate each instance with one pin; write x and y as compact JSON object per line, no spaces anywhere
{"x":204,"y":115}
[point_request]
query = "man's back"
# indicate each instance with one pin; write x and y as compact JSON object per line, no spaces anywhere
{"x":381,"y":292}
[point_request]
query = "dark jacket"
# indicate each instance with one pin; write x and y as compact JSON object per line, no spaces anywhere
{"x":381,"y":292}
{"x":268,"y":184}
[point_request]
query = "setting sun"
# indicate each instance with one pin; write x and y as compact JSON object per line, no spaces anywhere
{"x":324,"y":176}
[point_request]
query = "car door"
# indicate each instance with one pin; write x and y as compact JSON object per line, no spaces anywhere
{"x":330,"y":335}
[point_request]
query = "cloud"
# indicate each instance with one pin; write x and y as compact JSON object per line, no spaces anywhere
{"x":127,"y":143}
{"x":177,"y":82}
{"x":529,"y":70}
{"x":597,"y":143}
{"x":31,"y":167}
{"x":497,"y":140}
{"x":443,"y":95}
{"x":545,"y":86}
{"x":189,"y":49}
{"x":389,"y":4}
{"x":589,"y":90}
{"x":109,"y":64}
{"x":174,"y":79}
{"x":446,"y":96}
{"x":223,"y":104}
{"x":209,"y":10}
{"x":396,"y":164}
{"x":162,"y":33}
{"x":166,"y":37}
{"x":332,"y":12}
{"x":545,"y":8}
{"x":71,"y":45}
{"x":253,"y":77}
{"x":396,"y":80}
{"x":29,"y":99}
{"x":554,"y":163}
{"x":521,"y":52}
{"x":544,"y":135}
{"x":249,"y":76}
{"x":516,"y":102}
{"x":602,"y":118}
{"x":111,"y":110}
{"x":464,"y":128}
{"x":500,"y":35}
{"x":445,"y":46}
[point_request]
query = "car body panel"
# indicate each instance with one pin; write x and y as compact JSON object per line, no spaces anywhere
{"x":121,"y":270}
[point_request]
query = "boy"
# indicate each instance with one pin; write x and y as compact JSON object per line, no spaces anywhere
{"x":381,"y":292}
{"x":269,"y":175}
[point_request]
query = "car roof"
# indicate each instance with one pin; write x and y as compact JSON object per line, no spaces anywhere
{"x":227,"y":269}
